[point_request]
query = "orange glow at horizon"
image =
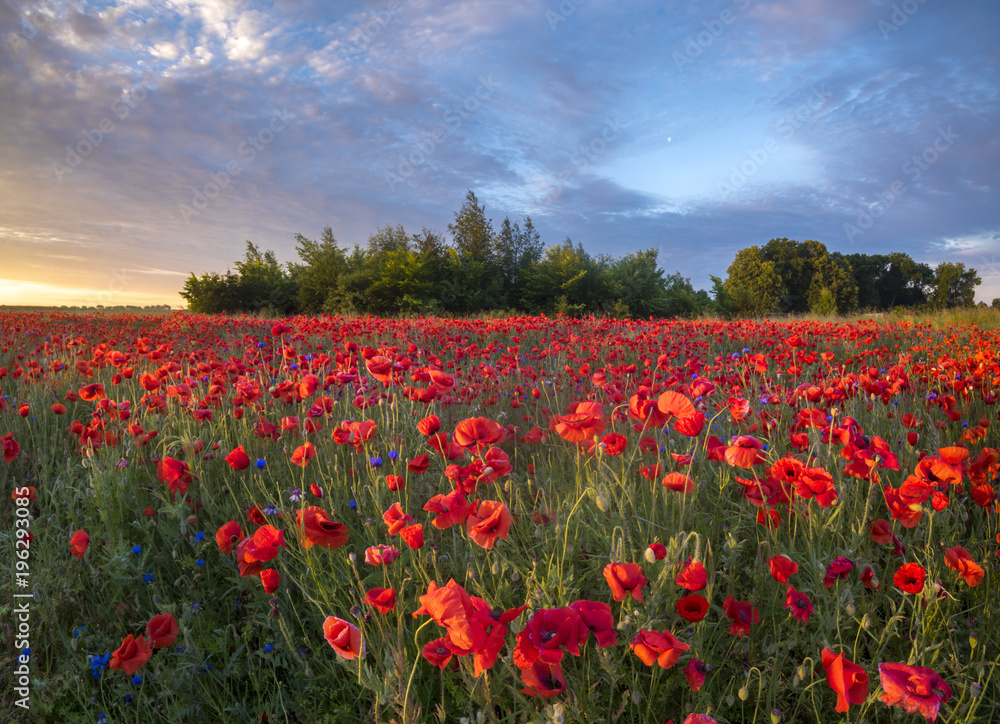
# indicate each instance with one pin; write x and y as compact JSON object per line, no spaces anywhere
{"x":15,"y":292}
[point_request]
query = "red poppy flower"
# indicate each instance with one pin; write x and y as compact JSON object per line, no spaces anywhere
{"x":692,"y":576}
{"x":263,"y":545}
{"x":419,"y":464}
{"x":396,"y":519}
{"x":78,"y":543}
{"x":799,"y":604}
{"x":271,"y":580}
{"x":910,"y":578}
{"x":18,"y":493}
{"x":958,"y":559}
{"x":452,"y":509}
{"x":238,"y":459}
{"x":583,"y":421}
{"x":228,"y":535}
{"x":478,"y":433}
{"x":913,"y":689}
{"x":625,"y":579}
{"x":92,"y":392}
{"x":745,"y":452}
{"x":742,"y":615}
{"x":547,"y":634}
{"x":381,"y":555}
{"x":690,"y":426}
{"x":255,"y":516}
{"x":679,"y":482}
{"x":488,"y":521}
{"x":162,"y":630}
{"x":662,"y":647}
{"x":695,"y":672}
{"x":452,"y":608}
{"x":248,"y":568}
{"x":429,"y":425}
{"x":131,"y":655}
{"x":436,"y":652}
{"x":303,"y":453}
{"x":869,"y":580}
{"x":881,"y":532}
{"x":395,"y":482}
{"x":316,"y":528}
{"x":659,"y":551}
{"x":413,"y":536}
{"x":597,"y":617}
{"x":692,"y":607}
{"x":382,"y":599}
{"x":614,"y":444}
{"x":782,"y":568}
{"x":343,"y":637}
{"x":847,"y":679}
{"x":174,"y":474}
{"x":674,"y":404}
{"x":543,"y":680}
{"x":838,"y":569}
{"x":58,"y":408}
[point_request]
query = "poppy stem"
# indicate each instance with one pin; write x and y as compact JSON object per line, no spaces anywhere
{"x":413,"y":670}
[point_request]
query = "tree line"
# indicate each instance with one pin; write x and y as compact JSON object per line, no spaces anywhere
{"x":509,"y":269}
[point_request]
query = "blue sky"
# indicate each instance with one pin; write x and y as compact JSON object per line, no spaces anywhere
{"x":146,"y":140}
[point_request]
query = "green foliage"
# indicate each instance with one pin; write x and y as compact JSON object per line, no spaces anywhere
{"x":826,"y":303}
{"x":480,"y":271}
{"x":954,"y":286}
{"x":754,"y":285}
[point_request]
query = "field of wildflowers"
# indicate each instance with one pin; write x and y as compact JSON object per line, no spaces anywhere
{"x":506,"y":520}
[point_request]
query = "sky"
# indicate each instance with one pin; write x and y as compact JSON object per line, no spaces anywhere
{"x":144,"y":141}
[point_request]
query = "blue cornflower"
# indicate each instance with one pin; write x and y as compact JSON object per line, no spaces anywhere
{"x":137,"y":549}
{"x":354,"y":505}
{"x":376,"y":462}
{"x":735,"y":355}
{"x":294,"y":366}
{"x":101,"y":718}
{"x":136,"y":679}
{"x":393,"y":455}
{"x":200,"y":562}
{"x":296,"y":496}
{"x":268,"y":648}
{"x":25,"y":652}
{"x":269,"y":509}
{"x":78,"y":630}
{"x":261,"y":464}
{"x":199,"y":536}
{"x":148,"y":577}
{"x":128,"y":698}
{"x":98,"y":662}
{"x":260,"y":345}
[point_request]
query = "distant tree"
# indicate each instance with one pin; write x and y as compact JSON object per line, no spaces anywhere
{"x":476,"y":277}
{"x":566,"y":280}
{"x":832,"y":274}
{"x":995,"y":303}
{"x":318,"y":275}
{"x":955,"y":286}
{"x":753,"y":285}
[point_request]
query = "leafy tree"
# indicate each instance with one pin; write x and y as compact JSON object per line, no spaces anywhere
{"x":995,"y":303}
{"x":566,"y":280}
{"x":317,"y":277}
{"x":832,"y":274}
{"x":754,"y":285}
{"x":955,"y":286}
{"x":517,"y":250}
